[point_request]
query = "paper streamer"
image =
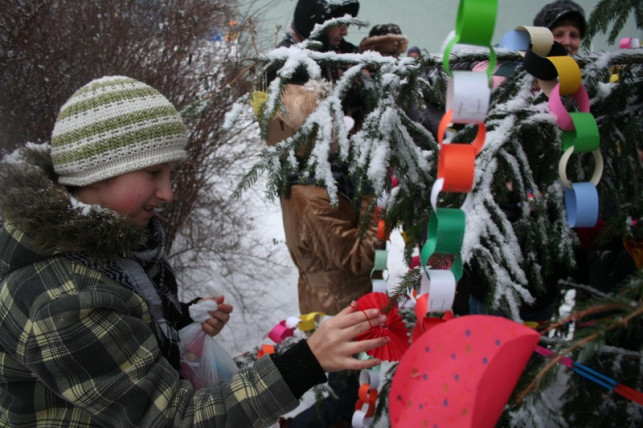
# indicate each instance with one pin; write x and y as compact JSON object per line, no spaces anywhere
{"x":594,"y":376}
{"x":441,"y":290}
{"x":265,"y":350}
{"x":447,"y":119}
{"x":579,"y":129}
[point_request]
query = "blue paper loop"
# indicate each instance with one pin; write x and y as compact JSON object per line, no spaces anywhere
{"x":581,"y":205}
{"x":515,"y":40}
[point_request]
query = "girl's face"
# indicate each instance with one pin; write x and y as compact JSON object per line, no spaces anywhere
{"x":135,"y":194}
{"x":567,"y":35}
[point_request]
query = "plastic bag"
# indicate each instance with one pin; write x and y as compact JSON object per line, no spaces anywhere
{"x":204,"y":362}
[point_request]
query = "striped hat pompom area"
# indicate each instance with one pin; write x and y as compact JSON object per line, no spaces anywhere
{"x":114,"y":125}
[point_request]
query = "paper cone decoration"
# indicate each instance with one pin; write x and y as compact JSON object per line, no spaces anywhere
{"x":394,"y":327}
{"x":460,"y":373}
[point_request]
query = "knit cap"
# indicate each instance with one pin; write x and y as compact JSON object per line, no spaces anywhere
{"x":114,"y":125}
{"x":311,"y":12}
{"x":553,"y":13}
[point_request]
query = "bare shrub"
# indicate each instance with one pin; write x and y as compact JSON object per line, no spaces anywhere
{"x":50,"y":48}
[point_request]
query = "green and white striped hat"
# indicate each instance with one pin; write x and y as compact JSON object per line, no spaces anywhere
{"x":114,"y":125}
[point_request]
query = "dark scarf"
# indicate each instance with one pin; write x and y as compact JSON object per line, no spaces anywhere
{"x":148,"y":274}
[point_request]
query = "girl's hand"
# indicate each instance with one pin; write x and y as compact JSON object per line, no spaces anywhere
{"x":333,"y":345}
{"x":213,"y":325}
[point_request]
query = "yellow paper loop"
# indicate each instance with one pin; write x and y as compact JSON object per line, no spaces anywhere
{"x":307,"y":322}
{"x":569,"y":76}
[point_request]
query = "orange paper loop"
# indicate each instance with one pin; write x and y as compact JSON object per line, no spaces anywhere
{"x":381,"y":230}
{"x":456,"y":164}
{"x":265,"y":350}
{"x":447,"y":119}
{"x":367,"y":396}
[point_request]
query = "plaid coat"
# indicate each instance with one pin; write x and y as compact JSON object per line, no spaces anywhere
{"x":77,"y":348}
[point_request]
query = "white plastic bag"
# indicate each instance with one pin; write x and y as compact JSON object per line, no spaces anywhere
{"x":203,"y":360}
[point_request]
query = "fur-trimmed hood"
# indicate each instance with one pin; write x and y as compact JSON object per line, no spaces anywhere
{"x":387,"y":45}
{"x":41,"y":218}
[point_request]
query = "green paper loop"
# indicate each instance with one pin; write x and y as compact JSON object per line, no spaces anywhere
{"x":475,"y":25}
{"x":381,"y":260}
{"x":585,"y":137}
{"x":476,"y":21}
{"x":380,"y":264}
{"x":445,"y":235}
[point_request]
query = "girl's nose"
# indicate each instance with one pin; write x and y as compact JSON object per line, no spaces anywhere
{"x":565,"y":40}
{"x":164,"y":191}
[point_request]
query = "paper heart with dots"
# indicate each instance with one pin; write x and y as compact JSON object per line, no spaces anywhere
{"x":460,"y":373}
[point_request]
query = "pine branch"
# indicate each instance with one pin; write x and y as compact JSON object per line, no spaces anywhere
{"x":615,"y":13}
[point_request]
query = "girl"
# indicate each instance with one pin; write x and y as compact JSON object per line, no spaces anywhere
{"x":88,"y":303}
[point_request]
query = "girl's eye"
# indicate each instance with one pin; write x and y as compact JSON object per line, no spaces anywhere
{"x":153,"y":172}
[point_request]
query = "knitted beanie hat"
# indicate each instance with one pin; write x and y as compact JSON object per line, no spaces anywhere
{"x":414,"y":49}
{"x":311,"y":12}
{"x":557,"y":11}
{"x":114,"y":125}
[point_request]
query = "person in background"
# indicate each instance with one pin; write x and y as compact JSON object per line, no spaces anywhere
{"x":333,"y":258}
{"x":387,"y":39}
{"x":566,"y":20}
{"x":414,"y":52}
{"x":309,"y":13}
{"x":333,"y":253}
{"x":90,"y":313}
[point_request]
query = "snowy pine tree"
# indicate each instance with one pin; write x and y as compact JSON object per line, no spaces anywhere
{"x":518,"y":240}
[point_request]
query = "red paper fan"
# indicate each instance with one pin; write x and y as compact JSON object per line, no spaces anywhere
{"x":394,"y":327}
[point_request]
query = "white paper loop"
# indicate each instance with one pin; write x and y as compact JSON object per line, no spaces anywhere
{"x":468,"y":95}
{"x":372,"y":377}
{"x":379,"y":286}
{"x":441,"y":290}
{"x":435,"y":191}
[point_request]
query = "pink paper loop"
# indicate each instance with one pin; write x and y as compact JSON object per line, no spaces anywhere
{"x":625,"y":43}
{"x":280,"y":332}
{"x":565,"y":121}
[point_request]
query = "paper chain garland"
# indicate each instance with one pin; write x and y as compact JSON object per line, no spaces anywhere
{"x":559,"y":75}
{"x":467,"y":102}
{"x":369,"y":381}
{"x":286,"y":328}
